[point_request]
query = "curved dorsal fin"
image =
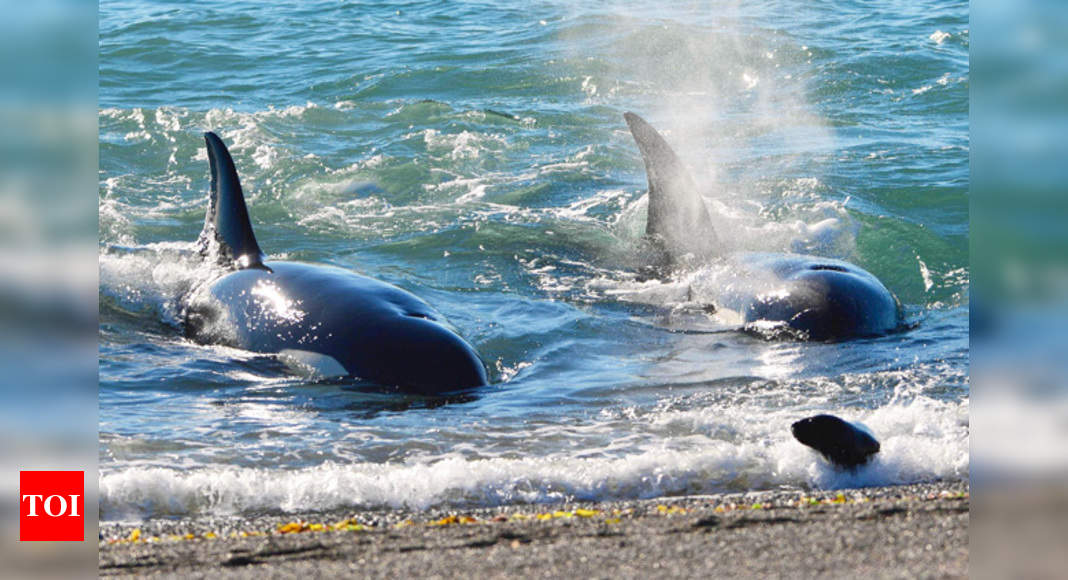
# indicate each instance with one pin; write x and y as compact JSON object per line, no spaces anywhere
{"x":227,"y":219}
{"x":677,"y":214}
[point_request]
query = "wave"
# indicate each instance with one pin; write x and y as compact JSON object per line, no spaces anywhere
{"x":923,"y":439}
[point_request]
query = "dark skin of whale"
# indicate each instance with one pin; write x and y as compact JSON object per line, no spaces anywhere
{"x":817,"y":298}
{"x":821,"y":298}
{"x":839,"y":441}
{"x":351,"y":324}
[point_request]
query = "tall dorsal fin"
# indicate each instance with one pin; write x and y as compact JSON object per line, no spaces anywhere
{"x":227,"y":219}
{"x":677,"y":215}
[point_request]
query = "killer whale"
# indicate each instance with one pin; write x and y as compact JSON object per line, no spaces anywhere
{"x":816,"y":298}
{"x":338,"y":322}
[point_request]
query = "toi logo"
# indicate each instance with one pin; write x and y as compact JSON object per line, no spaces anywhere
{"x":51,"y":506}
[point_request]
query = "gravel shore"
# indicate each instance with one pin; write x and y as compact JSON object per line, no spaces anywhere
{"x":886,"y":532}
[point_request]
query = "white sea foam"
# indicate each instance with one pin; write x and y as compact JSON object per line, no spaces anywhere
{"x":462,"y":145}
{"x":938,"y":36}
{"x":682,"y":451}
{"x":153,"y":277}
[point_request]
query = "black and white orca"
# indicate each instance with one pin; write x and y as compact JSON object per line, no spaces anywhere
{"x":817,"y":298}
{"x":335,"y":321}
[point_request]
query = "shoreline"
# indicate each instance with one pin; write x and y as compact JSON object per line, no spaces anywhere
{"x":893,"y":531}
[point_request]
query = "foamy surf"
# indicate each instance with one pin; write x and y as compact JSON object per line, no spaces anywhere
{"x":709,"y":452}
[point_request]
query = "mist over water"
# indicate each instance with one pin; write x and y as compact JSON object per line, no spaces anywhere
{"x":476,"y":155}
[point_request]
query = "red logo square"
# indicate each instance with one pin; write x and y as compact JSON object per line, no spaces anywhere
{"x":51,"y":506}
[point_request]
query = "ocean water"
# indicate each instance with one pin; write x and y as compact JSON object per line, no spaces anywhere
{"x":475,"y":154}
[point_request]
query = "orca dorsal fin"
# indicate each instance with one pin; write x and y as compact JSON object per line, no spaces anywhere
{"x":227,"y":220}
{"x":677,"y":218}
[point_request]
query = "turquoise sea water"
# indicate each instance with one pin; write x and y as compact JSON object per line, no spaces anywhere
{"x":475,"y":154}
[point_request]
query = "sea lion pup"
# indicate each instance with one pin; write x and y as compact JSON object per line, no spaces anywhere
{"x":842,"y":443}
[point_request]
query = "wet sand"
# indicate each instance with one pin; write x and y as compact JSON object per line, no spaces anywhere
{"x":914,"y":531}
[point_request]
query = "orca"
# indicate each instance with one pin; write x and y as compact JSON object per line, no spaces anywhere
{"x":335,"y":321}
{"x":814,"y":298}
{"x":840,"y":442}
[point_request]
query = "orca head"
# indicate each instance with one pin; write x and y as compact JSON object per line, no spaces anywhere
{"x":828,"y":301}
{"x":415,"y":353}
